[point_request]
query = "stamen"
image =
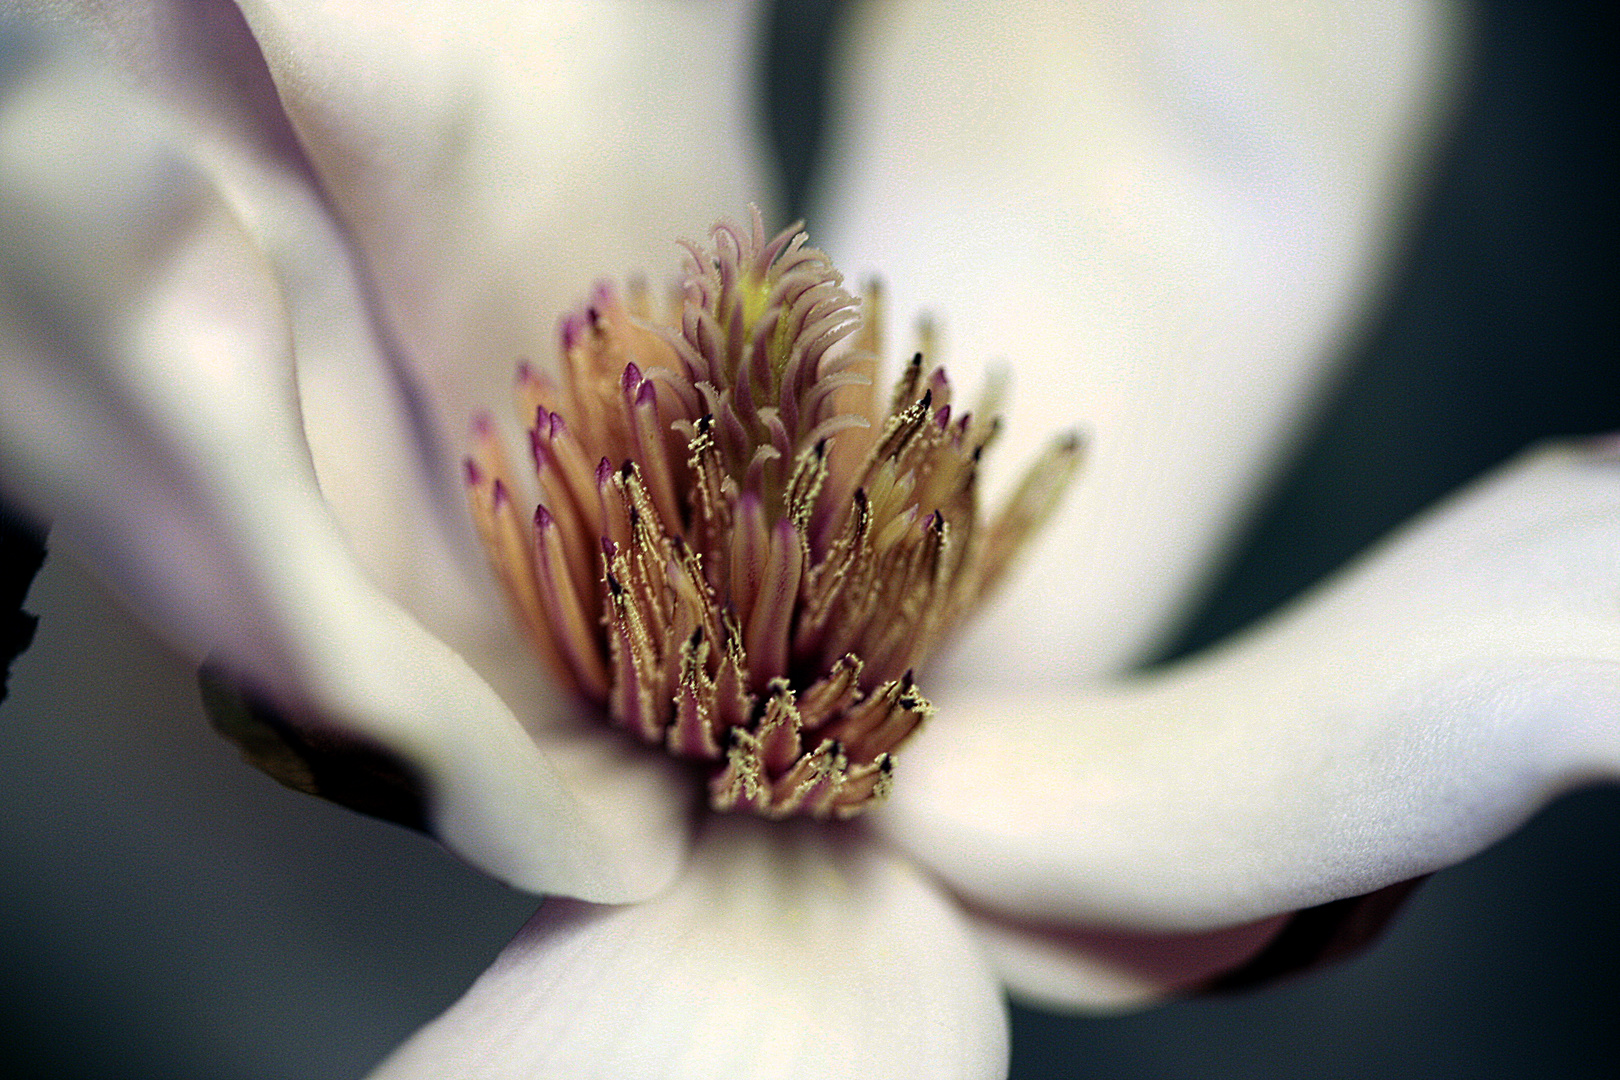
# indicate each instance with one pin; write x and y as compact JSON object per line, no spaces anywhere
{"x":740,"y":553}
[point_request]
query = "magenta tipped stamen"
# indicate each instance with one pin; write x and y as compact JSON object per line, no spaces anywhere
{"x":742,"y":548}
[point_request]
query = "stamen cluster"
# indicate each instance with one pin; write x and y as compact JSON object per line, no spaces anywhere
{"x":740,"y":553}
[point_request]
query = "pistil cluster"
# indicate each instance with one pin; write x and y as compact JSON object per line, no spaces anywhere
{"x":740,"y":552}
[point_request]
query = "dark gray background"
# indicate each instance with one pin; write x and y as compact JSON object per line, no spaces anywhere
{"x":312,"y":959}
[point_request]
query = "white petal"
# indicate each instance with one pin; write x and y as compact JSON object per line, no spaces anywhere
{"x":493,"y":160}
{"x":150,"y":409}
{"x":1101,"y":971}
{"x":1397,"y":721}
{"x":1164,"y":218}
{"x":386,"y":479}
{"x":381,"y":474}
{"x":784,"y":952}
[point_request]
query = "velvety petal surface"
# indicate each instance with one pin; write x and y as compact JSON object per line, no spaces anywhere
{"x":1165,"y":218}
{"x":784,"y":952}
{"x":493,"y":160}
{"x":1398,"y":720}
{"x":378,"y":467}
{"x":151,"y":410}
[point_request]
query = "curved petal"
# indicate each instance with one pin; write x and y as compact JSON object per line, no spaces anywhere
{"x":492,"y":160}
{"x":1100,"y":971}
{"x":376,"y":467}
{"x":379,"y":471}
{"x":784,"y":952}
{"x":151,"y":410}
{"x":1165,"y":218}
{"x":1399,"y":720}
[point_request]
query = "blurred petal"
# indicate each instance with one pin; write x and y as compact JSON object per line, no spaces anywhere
{"x":1397,"y":721}
{"x":1110,"y":971}
{"x":379,"y":470}
{"x":1165,"y":218}
{"x":492,"y":160}
{"x":150,"y":409}
{"x":1086,"y":970}
{"x":784,"y":952}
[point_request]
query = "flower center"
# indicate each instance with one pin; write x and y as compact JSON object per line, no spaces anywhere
{"x":741,"y":554}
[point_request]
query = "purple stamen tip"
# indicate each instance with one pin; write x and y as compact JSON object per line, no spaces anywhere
{"x":502,"y":496}
{"x":604,"y":472}
{"x":646,"y":395}
{"x":943,"y":417}
{"x":542,"y":517}
{"x":632,"y":380}
{"x":569,"y":328}
{"x":475,"y":475}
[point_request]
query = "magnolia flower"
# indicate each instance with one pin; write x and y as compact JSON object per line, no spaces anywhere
{"x":258,"y":280}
